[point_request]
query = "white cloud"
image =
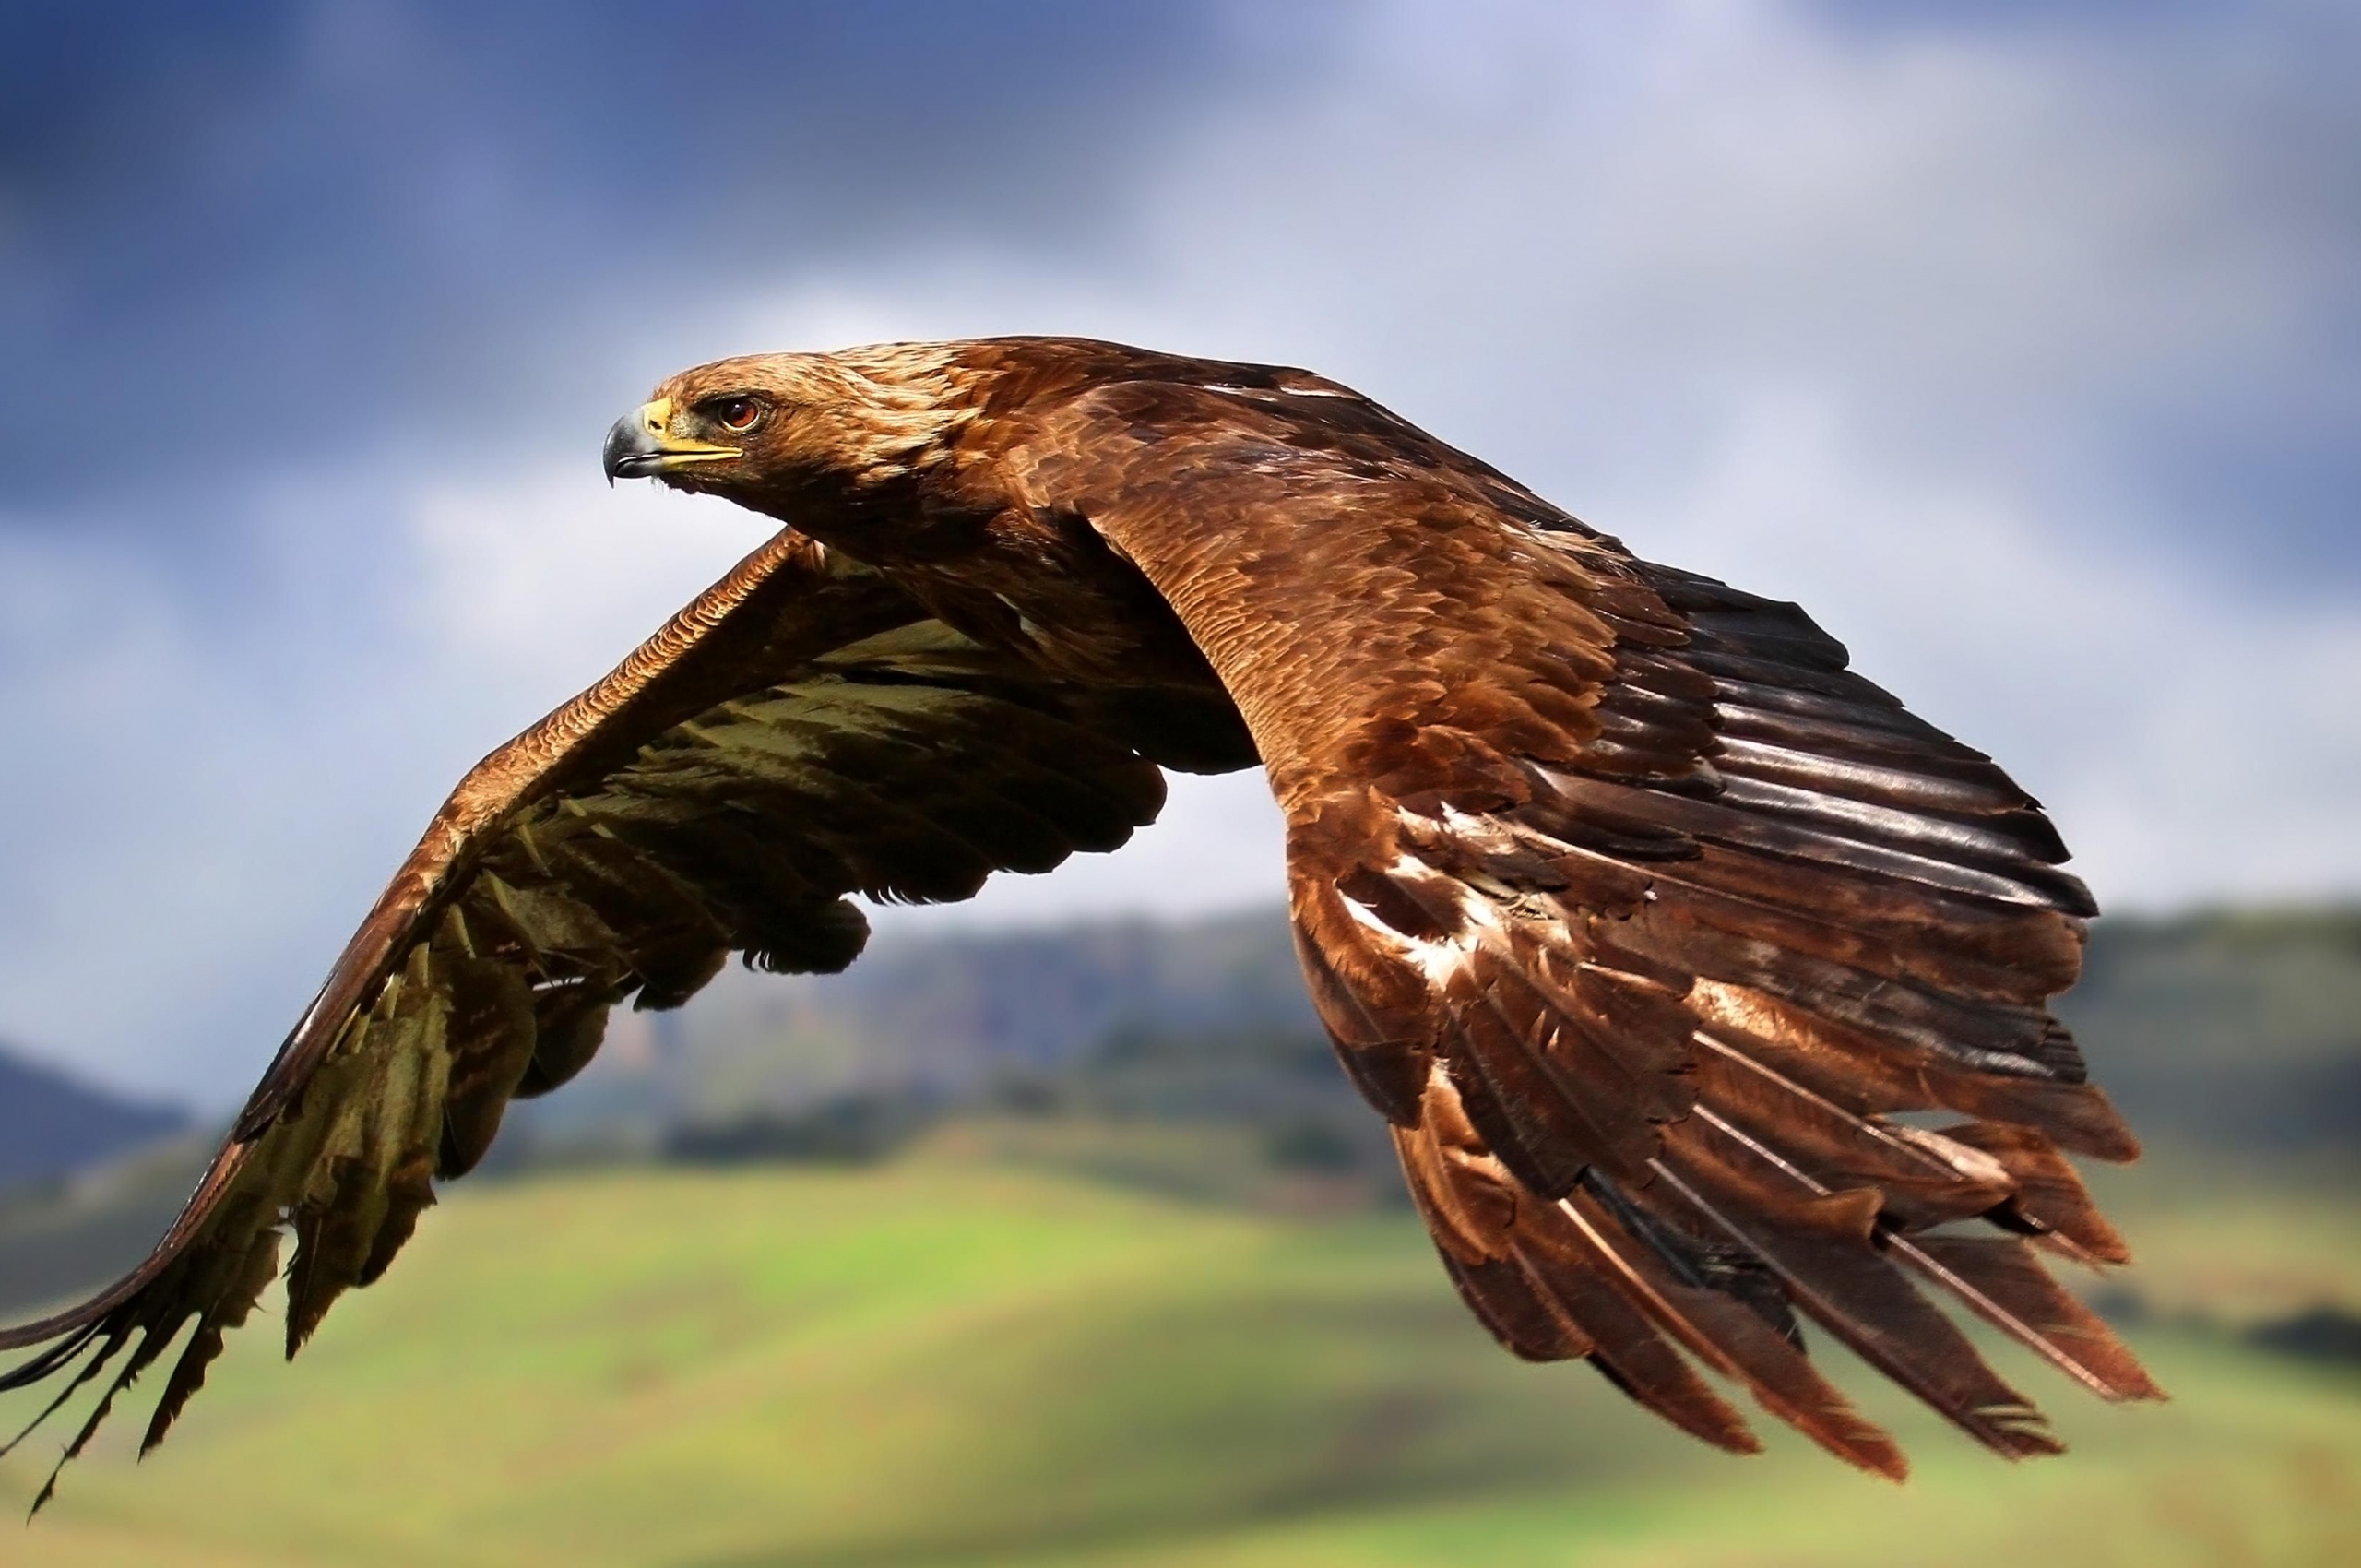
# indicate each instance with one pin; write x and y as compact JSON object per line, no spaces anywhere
{"x":1853,"y":320}
{"x":530,"y":588}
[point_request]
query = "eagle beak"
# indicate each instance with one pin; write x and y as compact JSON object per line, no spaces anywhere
{"x":642,"y":445}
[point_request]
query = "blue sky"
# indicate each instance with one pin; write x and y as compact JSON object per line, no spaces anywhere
{"x":2022,"y":343}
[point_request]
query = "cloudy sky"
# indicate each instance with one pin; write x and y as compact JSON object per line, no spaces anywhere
{"x":2021,"y":342}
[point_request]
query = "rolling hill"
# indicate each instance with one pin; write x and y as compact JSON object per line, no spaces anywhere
{"x":944,"y":1362}
{"x":1099,"y":1279}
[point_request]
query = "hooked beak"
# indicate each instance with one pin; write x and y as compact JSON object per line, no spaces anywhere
{"x":641,"y":445}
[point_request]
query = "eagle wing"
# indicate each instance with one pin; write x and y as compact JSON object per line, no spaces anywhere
{"x":1651,"y":928}
{"x":802,"y":731}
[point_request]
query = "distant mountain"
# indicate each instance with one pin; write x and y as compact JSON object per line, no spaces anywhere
{"x":947,"y":1010}
{"x":51,"y":1125}
{"x":2242,"y":1030}
{"x":944,"y":1015}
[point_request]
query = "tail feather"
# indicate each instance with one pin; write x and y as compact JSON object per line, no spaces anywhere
{"x":1511,"y":1258}
{"x":2048,"y":1196}
{"x":1736,"y":1341}
{"x":1627,"y":1345}
{"x":1921,"y":1186}
{"x":1865,"y":1072}
{"x":1507,"y":1304}
{"x":1845,"y":1285}
{"x":2005,"y":1285}
{"x":1666,"y":1019}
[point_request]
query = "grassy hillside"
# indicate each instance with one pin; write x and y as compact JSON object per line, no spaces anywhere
{"x":944,"y":1362}
{"x":1136,"y":1297}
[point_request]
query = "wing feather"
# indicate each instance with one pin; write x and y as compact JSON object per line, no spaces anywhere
{"x":1645,"y":919}
{"x":804,"y":732}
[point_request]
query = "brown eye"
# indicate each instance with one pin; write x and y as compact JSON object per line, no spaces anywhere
{"x":739,"y":413}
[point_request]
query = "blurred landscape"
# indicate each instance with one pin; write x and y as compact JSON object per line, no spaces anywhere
{"x":1074,"y":1247}
{"x":2018,"y":342}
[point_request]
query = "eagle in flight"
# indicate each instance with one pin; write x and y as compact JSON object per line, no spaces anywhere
{"x":1654,"y":932}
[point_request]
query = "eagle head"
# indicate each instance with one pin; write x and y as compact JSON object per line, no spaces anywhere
{"x":780,"y":424}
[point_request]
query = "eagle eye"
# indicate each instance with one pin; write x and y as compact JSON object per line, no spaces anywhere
{"x":739,"y":413}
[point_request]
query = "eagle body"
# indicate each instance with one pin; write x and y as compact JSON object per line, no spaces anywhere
{"x":1649,"y":927}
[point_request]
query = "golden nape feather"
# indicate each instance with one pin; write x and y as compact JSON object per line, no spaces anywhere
{"x":1653,"y":931}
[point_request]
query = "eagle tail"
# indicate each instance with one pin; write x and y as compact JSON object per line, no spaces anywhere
{"x":1660,"y":1166}
{"x":1545,"y":1300}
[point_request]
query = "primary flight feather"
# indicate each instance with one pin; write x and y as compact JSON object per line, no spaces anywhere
{"x":1639,"y":916}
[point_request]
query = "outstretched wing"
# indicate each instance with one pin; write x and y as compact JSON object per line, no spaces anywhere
{"x":1647,"y":924}
{"x":802,"y":731}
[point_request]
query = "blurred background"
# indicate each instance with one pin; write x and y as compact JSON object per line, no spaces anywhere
{"x":2022,"y":343}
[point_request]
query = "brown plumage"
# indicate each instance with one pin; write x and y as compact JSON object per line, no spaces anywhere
{"x":1640,"y":917}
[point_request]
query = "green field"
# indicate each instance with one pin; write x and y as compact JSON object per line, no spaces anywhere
{"x":947,"y":1361}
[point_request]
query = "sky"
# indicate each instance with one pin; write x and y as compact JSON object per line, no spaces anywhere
{"x":2021,"y":343}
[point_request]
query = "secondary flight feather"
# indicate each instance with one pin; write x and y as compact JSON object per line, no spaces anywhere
{"x":1651,"y":928}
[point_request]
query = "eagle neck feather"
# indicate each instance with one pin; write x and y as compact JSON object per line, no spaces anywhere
{"x":910,"y":403}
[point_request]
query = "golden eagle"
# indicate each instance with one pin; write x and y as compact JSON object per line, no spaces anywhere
{"x":1650,"y":927}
